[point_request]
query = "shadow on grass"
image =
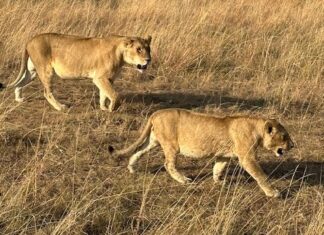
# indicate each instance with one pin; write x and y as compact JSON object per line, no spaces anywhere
{"x":194,"y":99}
{"x":309,"y":173}
{"x":188,"y":100}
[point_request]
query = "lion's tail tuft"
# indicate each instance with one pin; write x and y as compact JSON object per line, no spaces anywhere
{"x":117,"y":154}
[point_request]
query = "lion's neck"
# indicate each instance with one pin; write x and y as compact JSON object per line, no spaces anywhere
{"x":119,"y":51}
{"x":120,"y":59}
{"x":260,"y":122}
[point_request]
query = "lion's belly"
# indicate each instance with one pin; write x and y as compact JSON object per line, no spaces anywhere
{"x":194,"y":152}
{"x":65,"y":70}
{"x":200,"y":149}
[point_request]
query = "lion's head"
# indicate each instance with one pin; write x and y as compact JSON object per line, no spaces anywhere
{"x":276,"y":138}
{"x":137,"y":52}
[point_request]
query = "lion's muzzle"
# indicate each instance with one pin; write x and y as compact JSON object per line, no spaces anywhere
{"x":139,"y":66}
{"x":142,"y":67}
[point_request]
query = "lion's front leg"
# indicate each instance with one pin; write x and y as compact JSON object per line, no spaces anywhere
{"x":253,"y":168}
{"x":106,"y":90}
{"x":102,"y":100}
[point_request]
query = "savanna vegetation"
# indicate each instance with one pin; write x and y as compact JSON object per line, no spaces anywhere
{"x":263,"y":58}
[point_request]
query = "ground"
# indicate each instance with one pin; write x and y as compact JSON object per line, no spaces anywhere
{"x":211,"y":56}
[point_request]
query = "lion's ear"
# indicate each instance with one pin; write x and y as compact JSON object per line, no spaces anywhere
{"x":268,"y":127}
{"x":129,"y":42}
{"x":149,"y":39}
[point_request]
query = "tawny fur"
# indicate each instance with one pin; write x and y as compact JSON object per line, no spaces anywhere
{"x":200,"y":135}
{"x":99,"y":59}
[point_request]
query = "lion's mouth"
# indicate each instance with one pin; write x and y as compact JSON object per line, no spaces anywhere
{"x":141,"y":68}
{"x":280,"y":152}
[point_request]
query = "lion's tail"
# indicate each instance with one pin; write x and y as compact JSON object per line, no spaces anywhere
{"x":132,"y":148}
{"x":23,"y":68}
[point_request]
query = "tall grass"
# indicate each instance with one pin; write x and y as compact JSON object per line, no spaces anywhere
{"x":227,"y":57}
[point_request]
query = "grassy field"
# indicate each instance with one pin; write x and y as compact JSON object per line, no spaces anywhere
{"x":224,"y":57}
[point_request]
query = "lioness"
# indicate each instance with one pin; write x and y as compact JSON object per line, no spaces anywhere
{"x":197,"y":135}
{"x":69,"y":56}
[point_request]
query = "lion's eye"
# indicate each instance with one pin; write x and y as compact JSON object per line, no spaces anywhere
{"x":139,"y":50}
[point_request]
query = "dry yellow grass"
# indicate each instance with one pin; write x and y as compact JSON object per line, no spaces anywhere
{"x":253,"y":57}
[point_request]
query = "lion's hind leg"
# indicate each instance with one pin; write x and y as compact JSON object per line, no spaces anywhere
{"x":219,"y":167}
{"x":28,"y":76}
{"x":45,"y":76}
{"x":18,"y":88}
{"x":149,"y":143}
{"x":170,"y":164}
